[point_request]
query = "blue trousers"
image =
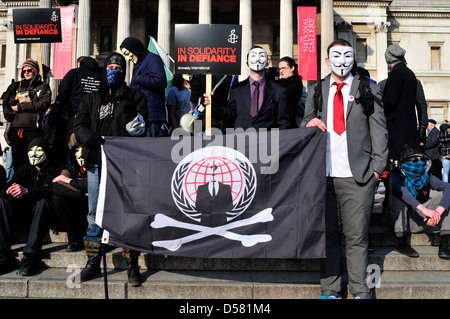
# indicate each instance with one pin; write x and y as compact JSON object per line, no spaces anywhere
{"x":94,"y":232}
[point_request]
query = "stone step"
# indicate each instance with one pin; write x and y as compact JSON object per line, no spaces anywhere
{"x":387,"y":259}
{"x":383,"y":236}
{"x":161,"y":284}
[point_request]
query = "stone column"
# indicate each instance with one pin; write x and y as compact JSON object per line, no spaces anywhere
{"x":11,"y":52}
{"x":164,"y":28}
{"x":123,"y":21}
{"x":45,"y":47}
{"x":286,"y":31}
{"x":381,"y":30}
{"x":84,"y":28}
{"x":204,"y":12}
{"x":326,"y":33}
{"x":245,"y":19}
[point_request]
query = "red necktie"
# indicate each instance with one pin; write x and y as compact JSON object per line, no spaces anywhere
{"x":338,"y":107}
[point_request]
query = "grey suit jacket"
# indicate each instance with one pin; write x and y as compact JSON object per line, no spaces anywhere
{"x":367,"y":137}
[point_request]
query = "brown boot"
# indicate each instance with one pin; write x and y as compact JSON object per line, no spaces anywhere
{"x":132,"y":258}
{"x":92,"y":269}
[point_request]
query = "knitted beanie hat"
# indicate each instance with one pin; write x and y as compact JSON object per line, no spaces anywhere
{"x":394,"y":53}
{"x":32,"y":64}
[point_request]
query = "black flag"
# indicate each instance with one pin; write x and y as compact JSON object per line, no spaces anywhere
{"x":239,"y":195}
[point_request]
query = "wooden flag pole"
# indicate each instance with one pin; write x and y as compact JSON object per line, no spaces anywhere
{"x":41,"y":71}
{"x":208,"y":107}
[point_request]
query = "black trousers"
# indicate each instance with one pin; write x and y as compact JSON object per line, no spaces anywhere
{"x":73,"y":215}
{"x":436,"y":168}
{"x":33,"y":214}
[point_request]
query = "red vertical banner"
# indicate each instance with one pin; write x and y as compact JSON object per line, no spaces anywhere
{"x":307,"y":42}
{"x":62,"y":61}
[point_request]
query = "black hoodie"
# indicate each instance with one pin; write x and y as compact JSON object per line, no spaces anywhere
{"x":37,"y":181}
{"x":88,"y":127}
{"x":79,"y":82}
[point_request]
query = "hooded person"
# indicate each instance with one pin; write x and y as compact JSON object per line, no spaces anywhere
{"x":78,"y":82}
{"x":413,"y":208}
{"x":27,"y":199}
{"x":148,"y":77}
{"x":70,"y":197}
{"x":24,"y":105}
{"x":114,"y":110}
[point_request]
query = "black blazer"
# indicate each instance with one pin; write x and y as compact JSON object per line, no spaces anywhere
{"x":272,"y":114}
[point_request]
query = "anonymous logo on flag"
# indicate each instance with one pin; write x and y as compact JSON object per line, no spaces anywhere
{"x":212,"y":187}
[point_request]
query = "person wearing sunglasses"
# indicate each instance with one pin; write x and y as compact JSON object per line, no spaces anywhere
{"x":24,"y":106}
{"x":420,"y":202}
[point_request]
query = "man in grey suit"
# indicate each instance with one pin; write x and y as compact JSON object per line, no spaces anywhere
{"x":356,"y":156}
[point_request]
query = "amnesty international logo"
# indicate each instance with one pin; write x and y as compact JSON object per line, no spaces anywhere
{"x":213,"y":186}
{"x":233,"y":38}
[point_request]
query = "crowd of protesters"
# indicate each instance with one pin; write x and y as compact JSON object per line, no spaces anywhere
{"x":374,"y":133}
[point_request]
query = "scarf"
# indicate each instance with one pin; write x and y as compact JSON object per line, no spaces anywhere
{"x":416,"y":175}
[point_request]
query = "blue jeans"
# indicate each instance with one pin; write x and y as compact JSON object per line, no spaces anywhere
{"x":8,"y":165}
{"x":93,"y":232}
{"x":153,"y":129}
{"x":446,"y":169}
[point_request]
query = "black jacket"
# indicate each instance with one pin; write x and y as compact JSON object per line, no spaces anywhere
{"x":432,"y":144}
{"x":77,"y":83}
{"x":38,"y":182}
{"x":399,"y":100}
{"x":272,"y":113}
{"x":294,"y":91}
{"x":127,"y":102}
{"x":77,"y":188}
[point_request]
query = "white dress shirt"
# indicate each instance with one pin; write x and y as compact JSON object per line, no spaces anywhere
{"x":337,"y":154}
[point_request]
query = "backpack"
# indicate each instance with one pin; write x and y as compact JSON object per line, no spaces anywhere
{"x":366,"y":97}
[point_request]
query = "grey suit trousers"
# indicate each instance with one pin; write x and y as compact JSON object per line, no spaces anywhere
{"x":348,"y":209}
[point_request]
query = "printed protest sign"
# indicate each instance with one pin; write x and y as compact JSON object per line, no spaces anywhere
{"x":208,"y":48}
{"x":37,"y":25}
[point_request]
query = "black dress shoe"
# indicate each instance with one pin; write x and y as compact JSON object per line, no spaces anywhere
{"x":407,"y":250}
{"x":29,"y":265}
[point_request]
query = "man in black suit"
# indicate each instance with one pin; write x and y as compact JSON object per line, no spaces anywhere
{"x":269,"y":107}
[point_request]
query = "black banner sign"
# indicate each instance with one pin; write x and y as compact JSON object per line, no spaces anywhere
{"x":264,"y":199}
{"x":208,"y":48}
{"x":41,"y":25}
